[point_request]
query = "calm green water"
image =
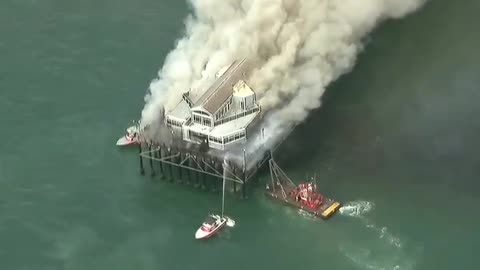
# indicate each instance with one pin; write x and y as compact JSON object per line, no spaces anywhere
{"x":399,"y":133}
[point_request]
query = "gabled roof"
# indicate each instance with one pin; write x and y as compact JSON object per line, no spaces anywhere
{"x":222,"y":88}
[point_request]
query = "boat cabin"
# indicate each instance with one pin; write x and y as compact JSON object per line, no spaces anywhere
{"x":206,"y":227}
{"x":209,"y":224}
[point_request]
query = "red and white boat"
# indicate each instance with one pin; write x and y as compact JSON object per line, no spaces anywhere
{"x":210,"y":226}
{"x":215,"y":223}
{"x":131,"y":137}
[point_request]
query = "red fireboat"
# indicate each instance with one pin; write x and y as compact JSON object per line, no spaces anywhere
{"x":304,"y":196}
{"x":307,"y":195}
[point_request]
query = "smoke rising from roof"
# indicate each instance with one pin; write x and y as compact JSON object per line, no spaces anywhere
{"x":297,"y":47}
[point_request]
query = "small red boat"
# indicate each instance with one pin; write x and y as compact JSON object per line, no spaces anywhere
{"x":210,"y":226}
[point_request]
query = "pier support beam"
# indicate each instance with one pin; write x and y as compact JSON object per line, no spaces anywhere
{"x":204,"y":166}
{"x":244,"y":190}
{"x":152,"y":174}
{"x":234,"y":170}
{"x":177,"y":160}
{"x":170,"y":167}
{"x":219,"y":168}
{"x":197,"y":165}
{"x":142,"y":170}
{"x":159,"y":155}
{"x":182,"y":174}
{"x":190,"y":173}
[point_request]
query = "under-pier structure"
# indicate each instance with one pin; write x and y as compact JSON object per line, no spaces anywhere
{"x":193,"y":167}
{"x":200,"y":169}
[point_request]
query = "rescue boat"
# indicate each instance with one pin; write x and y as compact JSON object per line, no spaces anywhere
{"x":211,"y":225}
{"x":131,"y":137}
{"x":214,"y":222}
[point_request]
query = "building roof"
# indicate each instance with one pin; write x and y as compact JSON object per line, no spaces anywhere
{"x":181,"y":112}
{"x":241,"y":89}
{"x":222,"y":88}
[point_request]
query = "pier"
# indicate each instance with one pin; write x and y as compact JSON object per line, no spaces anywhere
{"x":203,"y":128}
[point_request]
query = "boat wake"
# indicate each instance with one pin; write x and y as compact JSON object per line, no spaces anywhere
{"x":356,"y":208}
{"x":377,"y":248}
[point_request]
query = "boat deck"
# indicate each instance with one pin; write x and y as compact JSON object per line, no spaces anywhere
{"x":325,"y":210}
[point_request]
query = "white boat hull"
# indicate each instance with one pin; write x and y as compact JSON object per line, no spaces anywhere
{"x":129,"y":138}
{"x":125,"y":141}
{"x":201,"y":234}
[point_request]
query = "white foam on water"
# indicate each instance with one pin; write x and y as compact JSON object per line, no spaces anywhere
{"x":230,"y":222}
{"x":367,"y":259}
{"x":390,"y":238}
{"x":377,"y":258}
{"x":307,"y":215}
{"x":356,"y":208}
{"x":383,"y":251}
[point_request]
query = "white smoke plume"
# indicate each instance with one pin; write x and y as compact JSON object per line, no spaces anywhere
{"x":298,"y":48}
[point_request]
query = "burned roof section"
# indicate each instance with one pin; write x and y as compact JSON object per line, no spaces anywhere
{"x":222,"y":88}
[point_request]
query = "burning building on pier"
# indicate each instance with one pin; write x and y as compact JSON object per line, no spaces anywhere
{"x":222,"y":116}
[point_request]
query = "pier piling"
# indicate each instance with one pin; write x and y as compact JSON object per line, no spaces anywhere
{"x":142,"y":170}
{"x":152,"y":173}
{"x":159,"y":156}
{"x":234,"y":170}
{"x":203,"y":165}
{"x":170,"y":167}
{"x":181,"y":172}
{"x":244,"y":189}
{"x":197,"y":168}
{"x":177,"y":160}
{"x":190,"y":174}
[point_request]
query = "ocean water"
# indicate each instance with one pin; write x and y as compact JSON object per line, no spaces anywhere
{"x":395,"y":140}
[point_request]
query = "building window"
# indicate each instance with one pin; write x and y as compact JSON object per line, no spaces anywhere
{"x":215,"y":140}
{"x":197,"y":119}
{"x":234,"y":137}
{"x":174,"y":122}
{"x":206,"y":122}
